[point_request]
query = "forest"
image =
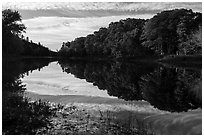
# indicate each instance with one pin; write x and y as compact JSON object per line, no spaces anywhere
{"x":171,"y":32}
{"x":175,"y":32}
{"x":13,"y":41}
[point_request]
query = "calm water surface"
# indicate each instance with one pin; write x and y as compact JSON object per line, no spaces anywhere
{"x":51,"y":80}
{"x":169,"y":89}
{"x":143,"y":87}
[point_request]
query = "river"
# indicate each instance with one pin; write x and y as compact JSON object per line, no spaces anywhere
{"x":166,"y":99}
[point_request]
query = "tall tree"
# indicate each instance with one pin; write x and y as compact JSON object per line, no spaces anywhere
{"x":166,"y":30}
{"x":11,"y":22}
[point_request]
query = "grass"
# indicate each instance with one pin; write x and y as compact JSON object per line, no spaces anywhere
{"x":23,"y":117}
{"x":46,"y":118}
{"x":71,"y":120}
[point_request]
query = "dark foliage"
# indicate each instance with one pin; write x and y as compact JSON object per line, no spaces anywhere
{"x":167,"y":32}
{"x":120,"y":39}
{"x":175,"y":31}
{"x":19,"y":114}
{"x":9,"y":22}
{"x":13,"y":42}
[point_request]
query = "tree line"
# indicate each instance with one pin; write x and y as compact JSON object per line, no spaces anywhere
{"x":13,"y":42}
{"x":171,"y":32}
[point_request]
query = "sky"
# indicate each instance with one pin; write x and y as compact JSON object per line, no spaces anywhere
{"x":52,"y":23}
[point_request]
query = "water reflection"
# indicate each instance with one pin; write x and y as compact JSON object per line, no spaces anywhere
{"x":171,"y":90}
{"x":19,"y":116}
{"x":165,"y":88}
{"x":168,"y":89}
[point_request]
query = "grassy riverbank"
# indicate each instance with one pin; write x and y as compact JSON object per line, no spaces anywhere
{"x":77,"y":120}
{"x":42,"y":117}
{"x":74,"y":120}
{"x":94,"y":116}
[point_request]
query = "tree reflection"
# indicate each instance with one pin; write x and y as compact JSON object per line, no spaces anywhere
{"x":165,"y":89}
{"x":19,"y":115}
{"x":168,"y":89}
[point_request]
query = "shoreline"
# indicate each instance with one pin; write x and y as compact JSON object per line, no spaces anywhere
{"x":100,"y":119}
{"x":173,"y":59}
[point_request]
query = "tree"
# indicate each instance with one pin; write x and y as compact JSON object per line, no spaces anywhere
{"x":78,"y":46}
{"x":192,"y":44}
{"x":11,"y":22}
{"x":165,"y":31}
{"x":120,"y":39}
{"x":13,"y":41}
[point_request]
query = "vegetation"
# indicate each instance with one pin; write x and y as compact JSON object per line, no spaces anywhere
{"x":193,"y":44}
{"x":78,"y":120}
{"x":168,"y":32}
{"x":13,"y":42}
{"x":10,"y":22}
{"x":19,"y":114}
{"x":22,"y":116}
{"x":120,"y":39}
{"x":172,"y":32}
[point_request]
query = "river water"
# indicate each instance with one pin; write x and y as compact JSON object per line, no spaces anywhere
{"x":155,"y":91}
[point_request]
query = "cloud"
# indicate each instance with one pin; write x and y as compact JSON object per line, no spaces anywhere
{"x":52,"y":31}
{"x":55,"y":22}
{"x":119,"y":6}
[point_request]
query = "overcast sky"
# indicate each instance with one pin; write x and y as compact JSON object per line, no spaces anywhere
{"x":53,"y":23}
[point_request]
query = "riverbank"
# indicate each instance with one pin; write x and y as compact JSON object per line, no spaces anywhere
{"x":96,"y":115}
{"x":182,"y":61}
{"x":187,"y":60}
{"x":19,"y":57}
{"x":77,"y":120}
{"x":116,"y":117}
{"x":171,"y":60}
